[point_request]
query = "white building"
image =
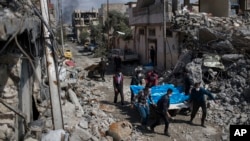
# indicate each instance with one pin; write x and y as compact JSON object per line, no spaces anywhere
{"x":147,"y":19}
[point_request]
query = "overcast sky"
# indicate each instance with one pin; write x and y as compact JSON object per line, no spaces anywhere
{"x":86,"y":5}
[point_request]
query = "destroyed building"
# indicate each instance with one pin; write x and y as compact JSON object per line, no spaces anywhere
{"x":81,"y":20}
{"x":214,"y":49}
{"x":24,"y":76}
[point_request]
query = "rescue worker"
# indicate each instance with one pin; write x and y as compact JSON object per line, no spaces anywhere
{"x":162,"y":112}
{"x":136,"y":80}
{"x":141,"y":102}
{"x":198,"y":98}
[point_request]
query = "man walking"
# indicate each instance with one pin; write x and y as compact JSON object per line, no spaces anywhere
{"x":142,"y":105}
{"x":118,"y":86}
{"x":198,"y":98}
{"x":162,"y":112}
{"x":102,"y":70}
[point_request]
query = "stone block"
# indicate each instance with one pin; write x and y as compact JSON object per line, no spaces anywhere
{"x":80,"y":134}
{"x":120,"y":130}
{"x":84,"y":124}
{"x":54,"y":135}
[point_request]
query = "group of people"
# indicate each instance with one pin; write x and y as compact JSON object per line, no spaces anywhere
{"x":143,"y":100}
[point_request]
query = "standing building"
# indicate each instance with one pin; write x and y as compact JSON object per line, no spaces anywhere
{"x":148,"y":20}
{"x":81,"y":21}
{"x":121,"y":7}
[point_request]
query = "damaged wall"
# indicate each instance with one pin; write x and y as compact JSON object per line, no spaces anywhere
{"x":19,"y":45}
{"x":9,"y":86}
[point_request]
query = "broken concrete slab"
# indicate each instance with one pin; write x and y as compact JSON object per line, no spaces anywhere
{"x":54,"y":135}
{"x":206,"y":35}
{"x":80,"y":134}
{"x":74,"y":99}
{"x":231,"y":57}
{"x":84,"y":124}
{"x":212,"y":61}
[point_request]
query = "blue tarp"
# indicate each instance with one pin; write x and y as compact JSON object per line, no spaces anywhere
{"x":157,"y":91}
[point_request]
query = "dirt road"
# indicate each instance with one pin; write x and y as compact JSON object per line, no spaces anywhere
{"x":179,"y":128}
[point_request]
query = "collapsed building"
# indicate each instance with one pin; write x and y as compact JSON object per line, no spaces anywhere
{"x":32,"y":104}
{"x":215,"y":51}
{"x":26,"y":64}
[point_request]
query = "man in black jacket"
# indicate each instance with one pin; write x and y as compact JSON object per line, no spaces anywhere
{"x":197,"y":97}
{"x":162,"y":112}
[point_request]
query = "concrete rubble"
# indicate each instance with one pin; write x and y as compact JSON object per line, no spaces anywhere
{"x":220,"y":60}
{"x":85,"y":118}
{"x":217,"y":55}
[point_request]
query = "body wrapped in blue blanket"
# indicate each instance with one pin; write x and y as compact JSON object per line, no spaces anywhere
{"x":177,"y":96}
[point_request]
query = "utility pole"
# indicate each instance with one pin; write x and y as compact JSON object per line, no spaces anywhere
{"x":164,"y":32}
{"x":108,"y":22}
{"x":61,"y":23}
{"x":51,"y":69}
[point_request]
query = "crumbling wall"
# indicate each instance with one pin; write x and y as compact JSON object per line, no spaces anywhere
{"x":9,"y":86}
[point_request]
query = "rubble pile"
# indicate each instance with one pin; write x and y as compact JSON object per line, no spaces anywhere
{"x":85,"y":117}
{"x":220,"y":60}
{"x":223,"y":34}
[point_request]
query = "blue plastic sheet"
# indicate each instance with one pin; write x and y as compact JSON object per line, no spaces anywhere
{"x":160,"y":90}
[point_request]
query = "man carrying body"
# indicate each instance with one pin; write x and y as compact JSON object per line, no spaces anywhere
{"x":162,"y":112}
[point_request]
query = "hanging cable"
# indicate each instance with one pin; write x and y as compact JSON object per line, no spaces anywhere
{"x":30,"y":60}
